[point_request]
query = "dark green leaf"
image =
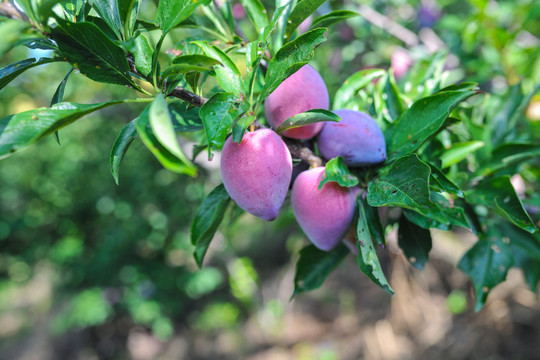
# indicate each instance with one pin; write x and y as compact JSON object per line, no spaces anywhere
{"x":440,"y":182}
{"x":508,"y":155}
{"x":315,"y":265}
{"x":142,"y":54}
{"x":110,"y":13}
{"x":301,"y":12}
{"x":333,"y":17}
{"x":367,"y":258}
{"x":10,"y":33}
{"x":207,"y":220}
{"x":353,"y":84}
{"x":59,"y":93}
{"x":306,"y":118}
{"x":425,"y":76}
{"x":162,"y":127}
{"x":121,"y":146}
{"x":290,"y":58}
{"x":10,"y":72}
{"x":337,"y":171}
{"x":498,"y":194}
{"x":464,"y":86}
{"x":392,"y":99}
{"x":164,"y":156}
{"x":486,"y":264}
{"x":373,"y":221}
{"x":185,"y":119}
{"x":256,"y":12}
{"x":500,"y":124}
{"x":23,"y":129}
{"x":415,"y":242}
{"x":92,"y":52}
{"x":129,"y":9}
{"x":241,"y":126}
{"x":422,"y":120}
{"x":458,"y":152}
{"x":41,"y":44}
{"x":170,"y":13}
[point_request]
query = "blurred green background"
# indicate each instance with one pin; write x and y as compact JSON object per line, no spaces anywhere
{"x":92,"y":270}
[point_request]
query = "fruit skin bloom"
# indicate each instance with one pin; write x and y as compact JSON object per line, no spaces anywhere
{"x":356,"y":137}
{"x":256,"y":172}
{"x":302,"y":91}
{"x":324,"y":215}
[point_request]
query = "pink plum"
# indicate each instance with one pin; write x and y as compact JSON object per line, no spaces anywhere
{"x":401,"y":62}
{"x":324,"y":215}
{"x":256,"y":172}
{"x":356,"y":137}
{"x":302,"y":91}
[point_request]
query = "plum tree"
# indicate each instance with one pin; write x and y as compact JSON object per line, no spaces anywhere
{"x":256,"y":172}
{"x":324,"y":215}
{"x":357,"y":138}
{"x":302,"y":91}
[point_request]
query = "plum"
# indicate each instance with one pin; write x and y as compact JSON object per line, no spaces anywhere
{"x":324,"y":215}
{"x":401,"y":62}
{"x":256,"y":172}
{"x":356,"y":137}
{"x":302,"y":91}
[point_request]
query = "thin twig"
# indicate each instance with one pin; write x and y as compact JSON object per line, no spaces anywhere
{"x":9,"y":10}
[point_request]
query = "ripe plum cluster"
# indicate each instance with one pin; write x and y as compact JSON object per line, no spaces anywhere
{"x":257,"y":171}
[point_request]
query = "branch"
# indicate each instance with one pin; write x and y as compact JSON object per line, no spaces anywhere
{"x":299,"y":151}
{"x":9,"y":10}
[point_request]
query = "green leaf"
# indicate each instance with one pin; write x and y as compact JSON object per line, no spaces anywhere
{"x":11,"y":71}
{"x":185,"y":118}
{"x":422,"y":120}
{"x":337,"y":171}
{"x":162,"y":127}
{"x":440,"y":182}
{"x":41,"y":44}
{"x":314,"y":265}
{"x":87,"y":48}
{"x":218,"y":115}
{"x":425,"y":76}
{"x":353,"y":84}
{"x":306,"y":118}
{"x":392,"y":99}
{"x":256,"y":12}
{"x":458,"y":152}
{"x":10,"y":33}
{"x":367,"y":258}
{"x":498,"y":194}
{"x":164,"y":156}
{"x":301,"y":12}
{"x":373,"y":221}
{"x":333,"y":17}
{"x":129,"y":9}
{"x":110,"y":13}
{"x":508,"y":155}
{"x":121,"y":146}
{"x":415,"y":242}
{"x":290,"y":58}
{"x":228,"y":75}
{"x":207,"y":219}
{"x":500,"y":124}
{"x":241,"y":126}
{"x":20,"y":130}
{"x":486,"y":264}
{"x":59,"y":93}
{"x":142,"y":54}
{"x":170,"y":13}
{"x":187,"y":63}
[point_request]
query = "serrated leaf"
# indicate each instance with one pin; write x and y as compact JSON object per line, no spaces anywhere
{"x":164,"y":156}
{"x":486,"y":264}
{"x":458,"y":152}
{"x":415,"y":242}
{"x":353,"y":84}
{"x":171,"y":13}
{"x":440,"y":182}
{"x":110,"y":13}
{"x":10,"y":32}
{"x":11,"y":71}
{"x":314,"y":265}
{"x":336,"y":170}
{"x":121,"y":146}
{"x":309,"y":117}
{"x":333,"y":17}
{"x":367,"y":258}
{"x":207,"y":220}
{"x":422,"y":120}
{"x":87,"y":48}
{"x":302,"y":10}
{"x":20,"y":130}
{"x":228,"y":75}
{"x":498,"y":194}
{"x":257,"y":13}
{"x":162,"y":127}
{"x":290,"y":58}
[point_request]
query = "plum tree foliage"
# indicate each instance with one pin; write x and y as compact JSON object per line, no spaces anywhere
{"x":421,"y":145}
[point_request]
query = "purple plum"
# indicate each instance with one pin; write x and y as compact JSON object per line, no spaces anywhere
{"x":324,"y":215}
{"x":256,"y":172}
{"x":302,"y":91}
{"x":356,"y":137}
